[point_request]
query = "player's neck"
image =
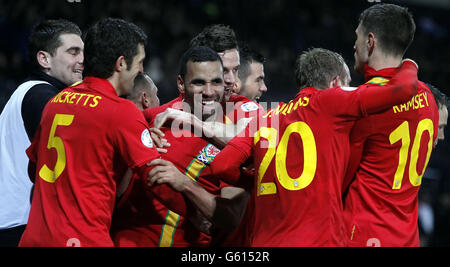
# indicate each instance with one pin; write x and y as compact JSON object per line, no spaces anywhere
{"x":114,"y":80}
{"x":380,"y":61}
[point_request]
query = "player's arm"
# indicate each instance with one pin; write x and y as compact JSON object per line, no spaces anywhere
{"x":133,"y":142}
{"x":33,"y":104}
{"x":219,"y":133}
{"x":224,"y":212}
{"x":401,"y":88}
{"x":227,"y":164}
{"x":166,"y":193}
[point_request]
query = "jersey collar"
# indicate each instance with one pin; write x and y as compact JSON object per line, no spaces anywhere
{"x":100,"y":85}
{"x":370,"y":72}
{"x":306,"y":90}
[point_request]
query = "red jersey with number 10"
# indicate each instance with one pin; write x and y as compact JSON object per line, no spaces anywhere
{"x":302,"y":153}
{"x":390,"y":152}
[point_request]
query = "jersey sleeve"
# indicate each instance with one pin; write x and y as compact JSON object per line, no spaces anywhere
{"x":227,"y":163}
{"x":241,"y":107}
{"x":371,"y":98}
{"x":400,"y":88}
{"x":32,"y":149}
{"x":132,"y":136}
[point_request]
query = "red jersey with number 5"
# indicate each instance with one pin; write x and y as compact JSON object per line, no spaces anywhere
{"x":390,"y":152}
{"x":87,"y":138}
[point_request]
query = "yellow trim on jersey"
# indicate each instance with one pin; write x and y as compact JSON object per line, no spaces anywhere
{"x":378,"y":80}
{"x":168,"y":229}
{"x":228,"y":120}
{"x":76,"y":83}
{"x":193,"y":171}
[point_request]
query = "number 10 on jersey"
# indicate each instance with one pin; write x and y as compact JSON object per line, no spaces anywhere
{"x":401,"y":134}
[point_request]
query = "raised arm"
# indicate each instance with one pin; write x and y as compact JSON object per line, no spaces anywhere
{"x":401,"y":88}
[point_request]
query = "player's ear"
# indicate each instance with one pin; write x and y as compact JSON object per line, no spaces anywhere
{"x":180,"y":85}
{"x":335,"y":82}
{"x":121,"y":64}
{"x":44,"y":59}
{"x":144,"y":100}
{"x":371,"y":40}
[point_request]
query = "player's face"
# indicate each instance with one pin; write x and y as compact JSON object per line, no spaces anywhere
{"x":203,"y":87}
{"x":254,"y":85}
{"x":443,"y":117}
{"x":361,"y":50}
{"x":231,"y":62}
{"x":66,"y":64}
{"x":129,"y":74}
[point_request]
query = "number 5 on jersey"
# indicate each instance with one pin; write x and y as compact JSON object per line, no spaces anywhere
{"x":56,"y":142}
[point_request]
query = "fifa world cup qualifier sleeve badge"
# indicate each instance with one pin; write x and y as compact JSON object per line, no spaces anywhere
{"x":146,"y":139}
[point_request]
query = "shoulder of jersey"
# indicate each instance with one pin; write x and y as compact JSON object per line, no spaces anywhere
{"x":244,"y":103}
{"x":348,"y":88}
{"x":249,"y":106}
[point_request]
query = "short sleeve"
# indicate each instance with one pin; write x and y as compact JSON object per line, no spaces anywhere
{"x":132,"y":136}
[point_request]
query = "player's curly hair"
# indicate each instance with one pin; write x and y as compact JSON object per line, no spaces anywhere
{"x":218,"y":37}
{"x":317,"y":67}
{"x":106,"y":41}
{"x":393,"y":26}
{"x":45,"y":37}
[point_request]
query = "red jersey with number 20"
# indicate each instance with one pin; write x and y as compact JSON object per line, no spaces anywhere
{"x":390,"y":152}
{"x":302,"y":153}
{"x":87,"y":138}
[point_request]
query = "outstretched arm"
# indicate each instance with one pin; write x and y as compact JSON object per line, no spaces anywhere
{"x":219,"y":133}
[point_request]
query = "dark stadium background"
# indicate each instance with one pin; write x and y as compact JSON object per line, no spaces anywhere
{"x":278,"y":29}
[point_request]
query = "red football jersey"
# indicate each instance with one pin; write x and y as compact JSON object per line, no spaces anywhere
{"x":390,"y":152}
{"x":144,"y":221}
{"x":302,"y":153}
{"x":87,"y":138}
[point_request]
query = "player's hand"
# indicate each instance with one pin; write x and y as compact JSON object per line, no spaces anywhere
{"x":173,"y":114}
{"x":166,"y":173}
{"x":160,"y":142}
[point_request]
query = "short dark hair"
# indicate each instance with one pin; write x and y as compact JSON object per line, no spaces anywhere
{"x":197,"y":54}
{"x":247,"y":57}
{"x":106,"y":41}
{"x":218,"y":37}
{"x":140,"y":82}
{"x":440,"y":98}
{"x":317,"y":67}
{"x":45,"y":36}
{"x":393,"y":26}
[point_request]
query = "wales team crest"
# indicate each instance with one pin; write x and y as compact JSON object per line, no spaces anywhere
{"x":208,"y":153}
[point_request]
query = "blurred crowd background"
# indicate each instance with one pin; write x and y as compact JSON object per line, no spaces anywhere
{"x":279,"y":29}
